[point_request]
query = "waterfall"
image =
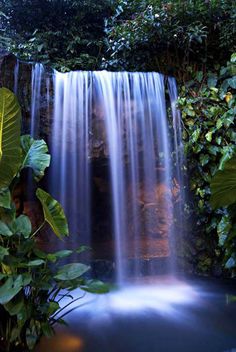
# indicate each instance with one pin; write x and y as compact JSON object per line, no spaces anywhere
{"x":70,"y":176}
{"x":16,"y":76}
{"x":36,"y":84}
{"x":133,"y":112}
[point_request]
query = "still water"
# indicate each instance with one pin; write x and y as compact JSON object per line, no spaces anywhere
{"x":165,"y":316}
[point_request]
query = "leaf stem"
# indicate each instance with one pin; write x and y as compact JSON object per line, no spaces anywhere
{"x":38,"y":229}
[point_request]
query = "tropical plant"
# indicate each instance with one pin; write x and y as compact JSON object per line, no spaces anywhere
{"x":73,"y":39}
{"x":207,"y":104}
{"x":169,"y":36}
{"x":33,"y":284}
{"x":223,"y":194}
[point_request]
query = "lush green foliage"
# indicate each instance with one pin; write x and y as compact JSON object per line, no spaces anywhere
{"x":223,"y":194}
{"x":223,"y":185}
{"x":155,"y":35}
{"x":208,"y":111}
{"x":170,"y":35}
{"x":32,"y":282}
{"x":67,"y":34}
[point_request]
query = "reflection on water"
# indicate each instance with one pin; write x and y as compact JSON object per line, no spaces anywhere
{"x":167,"y":316}
{"x":63,"y":342}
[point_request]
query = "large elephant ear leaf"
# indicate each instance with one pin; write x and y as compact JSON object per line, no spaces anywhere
{"x":10,"y":152}
{"x":53,"y":213}
{"x":223,"y":185}
{"x":35,"y":155}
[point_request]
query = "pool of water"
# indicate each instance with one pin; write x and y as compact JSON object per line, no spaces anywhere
{"x":155,"y":316}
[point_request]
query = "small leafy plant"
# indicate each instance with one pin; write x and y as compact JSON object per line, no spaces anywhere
{"x":32,"y":282}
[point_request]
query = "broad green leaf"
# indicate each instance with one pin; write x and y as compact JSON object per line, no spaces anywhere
{"x":4,"y":230}
{"x":95,"y":286}
{"x":35,"y":155}
{"x":5,"y":198}
{"x":228,"y":152}
{"x":3,"y":252}
{"x":71,"y":271}
{"x":22,"y":225}
{"x":8,"y":215}
{"x":15,"y":306}
{"x":26,"y":279}
{"x":223,"y":185}
{"x":10,"y":289}
{"x":10,"y":152}
{"x":53,"y":213}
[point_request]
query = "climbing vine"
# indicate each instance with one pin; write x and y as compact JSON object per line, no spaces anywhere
{"x":207,"y":103}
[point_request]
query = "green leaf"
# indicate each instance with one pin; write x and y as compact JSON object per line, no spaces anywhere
{"x":47,"y":329}
{"x":232,"y":82}
{"x":231,"y":263}
{"x":4,"y":230}
{"x":36,"y":262}
{"x":213,"y":149}
{"x":219,"y":124}
{"x":82,"y":249}
{"x":22,"y":225}
{"x":10,"y":118}
{"x":35,"y":155}
{"x":233,"y":58}
{"x":26,"y":279}
{"x":10,"y":289}
{"x":53,"y":213}
{"x":3,"y":252}
{"x":223,"y":229}
{"x":15,"y":332}
{"x":31,"y":338}
{"x":5,"y":198}
{"x":71,"y":271}
{"x":15,"y":306}
{"x":53,"y":307}
{"x":228,"y":152}
{"x":199,"y":76}
{"x":208,"y":136}
{"x":204,"y":159}
{"x":223,"y":185}
{"x":95,"y":286}
{"x":212,"y":80}
{"x":196,"y":134}
{"x":62,"y":254}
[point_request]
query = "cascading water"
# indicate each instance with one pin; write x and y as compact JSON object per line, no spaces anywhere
{"x":133,"y":111}
{"x":36,"y":85}
{"x":70,"y":176}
